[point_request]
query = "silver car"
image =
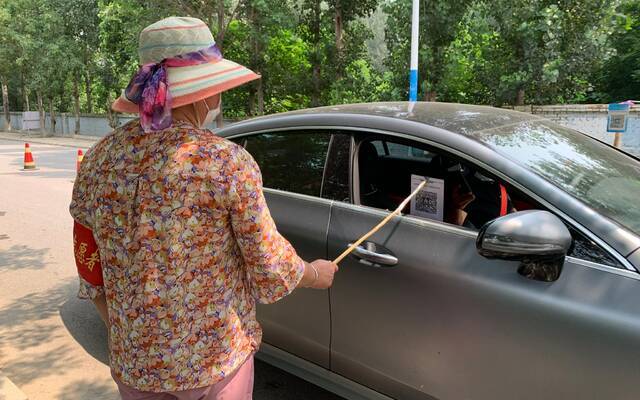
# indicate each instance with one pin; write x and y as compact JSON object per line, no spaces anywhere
{"x":515,"y":277}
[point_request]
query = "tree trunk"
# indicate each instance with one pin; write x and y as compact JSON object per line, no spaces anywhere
{"x":220,"y":37}
{"x":220,"y":118}
{"x":251,"y":106}
{"x":520,"y":97}
{"x":89,"y":92}
{"x":430,"y":95}
{"x":315,"y":93}
{"x":5,"y":103}
{"x":260,"y":96}
{"x":253,"y":46}
{"x":112,"y":117}
{"x":52,"y":116}
{"x":25,"y":93}
{"x":76,"y":106}
{"x":339,"y":40}
{"x":40,"y":110}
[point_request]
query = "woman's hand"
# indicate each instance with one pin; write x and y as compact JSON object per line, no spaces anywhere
{"x":318,"y":274}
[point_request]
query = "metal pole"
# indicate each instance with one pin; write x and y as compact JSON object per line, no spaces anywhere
{"x":617,"y":140}
{"x":413,"y":72}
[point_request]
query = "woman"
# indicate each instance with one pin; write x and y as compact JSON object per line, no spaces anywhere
{"x":172,"y":236}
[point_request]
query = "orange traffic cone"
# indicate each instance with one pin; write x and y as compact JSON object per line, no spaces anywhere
{"x":79,"y":160}
{"x":29,"y":164}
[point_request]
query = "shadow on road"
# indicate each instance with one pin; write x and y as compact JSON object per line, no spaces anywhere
{"x":83,"y":323}
{"x":18,"y":257}
{"x":26,"y":323}
{"x":83,"y":389}
{"x":46,"y":364}
{"x":24,"y":320}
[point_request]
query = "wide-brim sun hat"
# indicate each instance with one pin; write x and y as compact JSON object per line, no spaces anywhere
{"x":180,"y":61}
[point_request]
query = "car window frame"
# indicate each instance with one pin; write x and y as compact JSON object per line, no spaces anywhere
{"x":630,"y":271}
{"x":350,"y":165}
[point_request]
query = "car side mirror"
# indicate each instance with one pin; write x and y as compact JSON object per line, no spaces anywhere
{"x":538,"y":239}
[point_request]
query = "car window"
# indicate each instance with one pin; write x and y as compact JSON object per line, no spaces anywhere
{"x":399,"y":150}
{"x":386,"y":177}
{"x":465,"y":195}
{"x":291,"y":161}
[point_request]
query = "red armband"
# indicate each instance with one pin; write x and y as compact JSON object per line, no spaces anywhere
{"x":87,"y":255}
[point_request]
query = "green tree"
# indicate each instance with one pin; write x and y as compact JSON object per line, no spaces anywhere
{"x":544,"y":50}
{"x":554,"y":45}
{"x":288,"y":68}
{"x":121,"y":22}
{"x":8,"y":55}
{"x":619,"y":77}
{"x":313,"y":31}
{"x":265,"y":20}
{"x":344,"y":12}
{"x":218,"y":14}
{"x":38,"y":30}
{"x":438,"y":27}
{"x":80,"y":22}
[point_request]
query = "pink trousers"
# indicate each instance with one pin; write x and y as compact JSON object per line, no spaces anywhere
{"x":237,"y":386}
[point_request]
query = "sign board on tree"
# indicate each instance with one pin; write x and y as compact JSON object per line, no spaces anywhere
{"x":30,"y":120}
{"x":618,"y":113}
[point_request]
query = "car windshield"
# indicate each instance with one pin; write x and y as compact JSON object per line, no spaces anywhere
{"x":605,"y":179}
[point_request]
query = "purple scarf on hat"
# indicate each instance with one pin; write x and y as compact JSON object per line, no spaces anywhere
{"x":150,"y":91}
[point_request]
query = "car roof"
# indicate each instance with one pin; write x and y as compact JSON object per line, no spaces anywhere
{"x":463,"y":119}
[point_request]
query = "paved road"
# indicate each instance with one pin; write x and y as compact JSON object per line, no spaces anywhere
{"x":52,"y":345}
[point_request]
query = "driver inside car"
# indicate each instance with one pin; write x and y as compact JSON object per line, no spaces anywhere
{"x":491,"y":201}
{"x":471,"y":198}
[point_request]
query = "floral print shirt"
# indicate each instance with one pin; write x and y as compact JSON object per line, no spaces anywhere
{"x":187,"y":247}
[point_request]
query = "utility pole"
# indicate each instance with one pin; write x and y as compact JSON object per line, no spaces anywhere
{"x":413,"y":72}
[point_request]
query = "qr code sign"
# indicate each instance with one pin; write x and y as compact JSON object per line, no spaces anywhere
{"x":617,"y":122}
{"x":427,"y":202}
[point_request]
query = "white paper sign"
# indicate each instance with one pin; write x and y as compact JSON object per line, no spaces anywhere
{"x":429,"y":202}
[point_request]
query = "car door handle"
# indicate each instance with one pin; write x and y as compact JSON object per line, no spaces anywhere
{"x":369,"y":253}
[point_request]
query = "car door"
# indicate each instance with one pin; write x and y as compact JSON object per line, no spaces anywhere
{"x":292,"y":166}
{"x":447,"y":323}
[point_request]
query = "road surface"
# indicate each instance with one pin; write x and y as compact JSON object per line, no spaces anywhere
{"x":52,"y":345}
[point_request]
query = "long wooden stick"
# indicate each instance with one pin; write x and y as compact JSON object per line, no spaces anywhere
{"x":380,"y":225}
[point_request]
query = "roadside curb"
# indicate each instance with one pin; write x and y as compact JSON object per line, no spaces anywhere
{"x":9,"y":391}
{"x":75,"y":142}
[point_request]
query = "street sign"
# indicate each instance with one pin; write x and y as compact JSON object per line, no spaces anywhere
{"x":30,"y":120}
{"x":618,"y":114}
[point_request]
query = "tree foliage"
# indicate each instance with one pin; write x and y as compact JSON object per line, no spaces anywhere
{"x":619,"y":77}
{"x":78,"y":55}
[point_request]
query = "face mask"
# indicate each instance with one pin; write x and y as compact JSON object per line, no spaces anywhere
{"x":211,"y":115}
